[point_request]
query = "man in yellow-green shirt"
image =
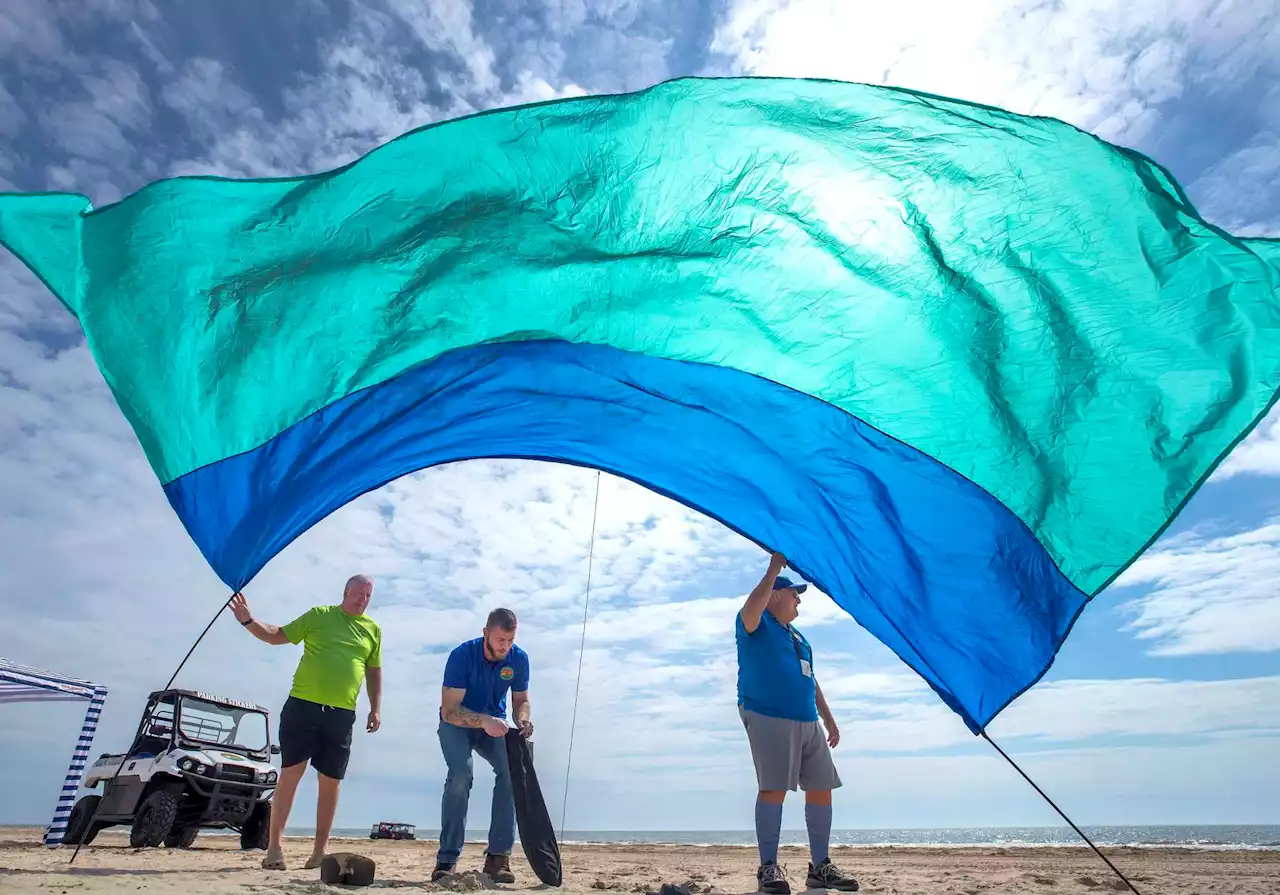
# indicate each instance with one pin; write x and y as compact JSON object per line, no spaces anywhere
{"x":342,"y":648}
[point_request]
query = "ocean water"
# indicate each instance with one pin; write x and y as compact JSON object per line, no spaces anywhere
{"x":1212,"y":837}
{"x":1206,"y":837}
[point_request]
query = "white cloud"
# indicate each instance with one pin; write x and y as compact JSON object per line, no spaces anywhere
{"x":1104,"y":65}
{"x":1072,"y":710}
{"x":204,"y":93}
{"x":29,"y":27}
{"x":896,"y":713}
{"x":103,"y":126}
{"x":446,"y":26}
{"x":32,"y":32}
{"x":1209,"y":595}
{"x":370,"y":89}
{"x":1259,"y":454}
{"x":11,"y":115}
{"x":1240,"y":190}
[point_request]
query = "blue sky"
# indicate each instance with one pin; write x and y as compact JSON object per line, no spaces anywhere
{"x":1164,"y":705}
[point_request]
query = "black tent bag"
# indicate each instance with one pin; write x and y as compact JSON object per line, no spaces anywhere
{"x":537,"y":835}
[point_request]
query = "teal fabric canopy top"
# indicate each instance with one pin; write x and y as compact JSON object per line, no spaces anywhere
{"x":960,"y":366}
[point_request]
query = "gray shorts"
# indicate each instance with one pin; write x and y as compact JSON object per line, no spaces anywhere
{"x":789,"y":754}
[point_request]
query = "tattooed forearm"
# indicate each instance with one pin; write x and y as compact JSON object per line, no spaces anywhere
{"x":461,"y":717}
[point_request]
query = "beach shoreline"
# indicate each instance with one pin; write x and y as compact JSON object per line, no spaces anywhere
{"x":216,"y":866}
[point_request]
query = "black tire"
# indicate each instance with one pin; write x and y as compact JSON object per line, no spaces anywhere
{"x":154,"y":819}
{"x":78,"y":822}
{"x":181,"y":837}
{"x":256,"y":832}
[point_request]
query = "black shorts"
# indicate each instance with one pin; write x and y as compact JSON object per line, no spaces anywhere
{"x":318,"y":733}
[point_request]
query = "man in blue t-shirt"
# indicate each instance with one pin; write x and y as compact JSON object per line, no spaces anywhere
{"x":473,"y":711}
{"x":780,"y":701}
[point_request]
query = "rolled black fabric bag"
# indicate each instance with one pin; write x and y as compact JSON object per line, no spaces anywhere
{"x":537,"y":835}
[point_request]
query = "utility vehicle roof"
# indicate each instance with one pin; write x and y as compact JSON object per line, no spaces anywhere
{"x":210,"y":697}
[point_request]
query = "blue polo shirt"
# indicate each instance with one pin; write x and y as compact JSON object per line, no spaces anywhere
{"x":772,"y":661}
{"x":486,"y":682}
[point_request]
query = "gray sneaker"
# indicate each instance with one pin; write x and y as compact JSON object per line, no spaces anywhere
{"x":772,"y":880}
{"x":828,"y":876}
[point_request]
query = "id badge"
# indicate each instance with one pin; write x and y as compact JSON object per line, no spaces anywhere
{"x":805,"y":668}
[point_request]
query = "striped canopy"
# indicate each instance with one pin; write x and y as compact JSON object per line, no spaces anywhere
{"x":23,"y":683}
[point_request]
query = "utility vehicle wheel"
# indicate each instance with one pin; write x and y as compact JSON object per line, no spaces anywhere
{"x":154,"y":819}
{"x":78,"y":822}
{"x":181,"y":837}
{"x":256,"y":832}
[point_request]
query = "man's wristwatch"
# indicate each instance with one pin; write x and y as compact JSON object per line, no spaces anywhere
{"x":248,"y":621}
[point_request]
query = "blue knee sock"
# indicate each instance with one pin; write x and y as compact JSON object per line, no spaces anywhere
{"x":817,"y":818}
{"x":768,"y":830}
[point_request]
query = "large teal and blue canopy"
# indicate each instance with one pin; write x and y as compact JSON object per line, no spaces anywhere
{"x":960,"y":366}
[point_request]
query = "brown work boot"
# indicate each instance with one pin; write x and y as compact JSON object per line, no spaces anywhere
{"x":498,"y":868}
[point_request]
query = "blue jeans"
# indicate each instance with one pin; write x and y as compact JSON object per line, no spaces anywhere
{"x":457,"y":744}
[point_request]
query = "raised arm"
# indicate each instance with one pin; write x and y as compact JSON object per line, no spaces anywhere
{"x":271,"y":634}
{"x":759,"y":598}
{"x":453,"y":711}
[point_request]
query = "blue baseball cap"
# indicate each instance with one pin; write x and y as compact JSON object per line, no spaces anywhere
{"x":782,"y":581}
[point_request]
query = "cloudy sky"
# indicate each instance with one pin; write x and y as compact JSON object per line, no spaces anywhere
{"x":1164,"y":705}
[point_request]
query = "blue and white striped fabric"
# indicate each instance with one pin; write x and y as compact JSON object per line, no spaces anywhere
{"x":22,"y":683}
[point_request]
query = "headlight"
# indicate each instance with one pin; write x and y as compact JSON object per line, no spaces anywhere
{"x":188,"y":765}
{"x":267,"y":777}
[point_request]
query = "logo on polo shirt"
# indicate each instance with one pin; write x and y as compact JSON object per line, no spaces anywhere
{"x":507,"y":672}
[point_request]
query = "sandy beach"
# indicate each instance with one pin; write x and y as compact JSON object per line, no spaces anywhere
{"x":216,"y":865}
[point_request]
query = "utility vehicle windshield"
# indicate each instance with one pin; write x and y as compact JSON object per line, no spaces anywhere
{"x":241,"y":730}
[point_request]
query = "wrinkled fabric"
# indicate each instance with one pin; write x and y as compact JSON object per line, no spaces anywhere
{"x":1037,"y":312}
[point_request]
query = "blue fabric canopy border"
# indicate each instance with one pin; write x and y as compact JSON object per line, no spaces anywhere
{"x":921,"y":557}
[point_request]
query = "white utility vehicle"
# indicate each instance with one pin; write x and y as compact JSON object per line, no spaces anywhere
{"x":197,"y":762}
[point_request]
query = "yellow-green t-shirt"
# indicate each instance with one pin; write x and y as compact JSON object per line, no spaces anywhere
{"x":338,"y":649}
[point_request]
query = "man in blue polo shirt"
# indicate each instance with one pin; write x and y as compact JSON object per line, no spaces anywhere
{"x":473,"y":711}
{"x":780,"y":701}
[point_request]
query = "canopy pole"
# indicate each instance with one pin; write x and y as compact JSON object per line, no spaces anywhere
{"x":586,"y":603}
{"x":147,"y":718}
{"x":71,"y":783}
{"x":1062,"y":813}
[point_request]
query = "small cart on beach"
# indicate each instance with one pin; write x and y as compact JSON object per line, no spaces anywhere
{"x":387,"y":830}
